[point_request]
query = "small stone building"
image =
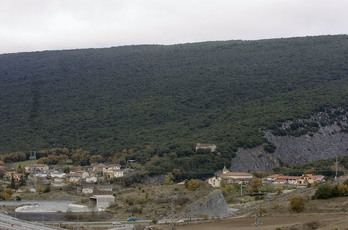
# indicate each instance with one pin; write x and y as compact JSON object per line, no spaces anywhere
{"x":210,"y":147}
{"x":101,"y":201}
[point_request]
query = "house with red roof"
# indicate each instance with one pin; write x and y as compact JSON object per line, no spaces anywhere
{"x":310,"y":179}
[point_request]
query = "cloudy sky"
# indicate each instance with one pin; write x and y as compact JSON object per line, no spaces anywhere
{"x":35,"y":25}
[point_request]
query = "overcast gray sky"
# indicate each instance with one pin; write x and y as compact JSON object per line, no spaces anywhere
{"x":31,"y":25}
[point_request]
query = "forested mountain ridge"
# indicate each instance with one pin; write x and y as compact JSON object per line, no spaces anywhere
{"x":167,"y":97}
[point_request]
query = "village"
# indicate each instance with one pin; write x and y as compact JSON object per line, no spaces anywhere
{"x":74,"y":192}
{"x":95,"y":179}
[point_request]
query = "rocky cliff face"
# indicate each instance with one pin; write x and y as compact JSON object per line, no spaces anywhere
{"x":213,"y":205}
{"x":328,"y":142}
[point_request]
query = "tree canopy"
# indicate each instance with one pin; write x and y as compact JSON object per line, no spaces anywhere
{"x":168,"y":97}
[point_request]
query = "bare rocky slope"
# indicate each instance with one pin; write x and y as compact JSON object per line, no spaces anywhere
{"x":328,"y":142}
{"x":212,"y":205}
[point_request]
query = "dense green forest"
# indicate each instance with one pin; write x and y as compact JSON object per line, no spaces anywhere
{"x":161,"y":100}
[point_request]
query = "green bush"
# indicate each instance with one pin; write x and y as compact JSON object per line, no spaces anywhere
{"x":325,"y":191}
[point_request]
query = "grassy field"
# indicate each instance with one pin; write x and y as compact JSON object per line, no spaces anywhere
{"x":24,"y":163}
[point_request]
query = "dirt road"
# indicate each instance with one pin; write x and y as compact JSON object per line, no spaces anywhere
{"x":270,"y":222}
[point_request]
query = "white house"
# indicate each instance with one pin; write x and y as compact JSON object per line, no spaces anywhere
{"x":118,"y":173}
{"x":111,"y":167}
{"x":73,"y":178}
{"x":87,"y":190}
{"x":281,"y":179}
{"x":57,"y":174}
{"x":36,"y":168}
{"x":235,"y":177}
{"x":91,"y":179}
{"x":215,"y":181}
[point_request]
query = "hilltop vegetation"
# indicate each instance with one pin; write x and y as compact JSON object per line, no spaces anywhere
{"x":162,"y":100}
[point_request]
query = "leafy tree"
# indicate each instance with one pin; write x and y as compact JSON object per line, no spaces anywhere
{"x":325,"y":191}
{"x":254,"y":185}
{"x":22,"y":181}
{"x":67,"y":170}
{"x":169,"y":97}
{"x":13,"y":183}
{"x":177,"y":174}
{"x":20,"y":169}
{"x":297,"y":203}
{"x":169,"y":179}
{"x":96,"y":159}
{"x":193,"y":185}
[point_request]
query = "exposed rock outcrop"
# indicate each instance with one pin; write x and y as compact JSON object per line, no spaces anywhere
{"x":327,"y":143}
{"x":213,"y":205}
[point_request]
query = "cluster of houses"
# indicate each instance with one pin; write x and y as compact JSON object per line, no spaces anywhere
{"x":58,"y":178}
{"x":305,"y":179}
{"x":227,"y":177}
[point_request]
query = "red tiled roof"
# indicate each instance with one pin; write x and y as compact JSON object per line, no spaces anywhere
{"x":274,"y":175}
{"x":235,"y":174}
{"x":289,"y":177}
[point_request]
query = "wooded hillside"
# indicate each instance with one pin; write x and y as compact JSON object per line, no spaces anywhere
{"x":167,"y":97}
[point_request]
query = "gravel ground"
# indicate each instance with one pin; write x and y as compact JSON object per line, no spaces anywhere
{"x":45,"y":206}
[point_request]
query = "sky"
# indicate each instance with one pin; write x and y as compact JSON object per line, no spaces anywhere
{"x":36,"y":25}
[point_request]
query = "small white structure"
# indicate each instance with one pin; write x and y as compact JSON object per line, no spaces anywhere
{"x":281,"y":179}
{"x":91,"y":179}
{"x":111,"y":167}
{"x":101,"y":201}
{"x":58,"y":182}
{"x":36,"y":168}
{"x":83,"y":174}
{"x":211,"y":147}
{"x":57,"y":174}
{"x":87,"y":190}
{"x":41,"y":174}
{"x":215,"y":181}
{"x":73,"y":178}
{"x":118,"y":173}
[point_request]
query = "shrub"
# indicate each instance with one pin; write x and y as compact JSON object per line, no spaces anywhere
{"x":270,"y":148}
{"x":312,"y":225}
{"x":181,"y":200}
{"x":342,"y":190}
{"x":254,"y":185}
{"x":47,"y":189}
{"x":325,"y":191}
{"x":345,"y":182}
{"x":193,"y":185}
{"x":275,"y":206}
{"x":297,"y":203}
{"x":205,"y":216}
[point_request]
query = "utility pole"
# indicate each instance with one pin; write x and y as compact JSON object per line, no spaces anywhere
{"x":336,"y":168}
{"x":241,"y":189}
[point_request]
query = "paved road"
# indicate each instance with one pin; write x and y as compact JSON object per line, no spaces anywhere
{"x":9,"y":223}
